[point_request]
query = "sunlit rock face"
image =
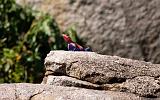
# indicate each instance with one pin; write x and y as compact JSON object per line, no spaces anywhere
{"x":26,"y":91}
{"x":102,"y":72}
{"x":125,"y":28}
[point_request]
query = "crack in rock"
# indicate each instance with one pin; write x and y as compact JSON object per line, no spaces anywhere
{"x":36,"y":94}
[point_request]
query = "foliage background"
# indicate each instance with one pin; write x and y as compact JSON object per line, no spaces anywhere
{"x":26,"y":36}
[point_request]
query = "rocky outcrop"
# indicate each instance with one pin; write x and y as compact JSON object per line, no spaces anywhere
{"x":26,"y":91}
{"x":89,"y":76}
{"x":125,"y":28}
{"x":102,"y":72}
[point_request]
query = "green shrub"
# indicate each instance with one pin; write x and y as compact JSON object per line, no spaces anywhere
{"x":26,"y":36}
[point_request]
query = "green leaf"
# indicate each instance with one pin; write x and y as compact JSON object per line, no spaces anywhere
{"x":6,"y":66}
{"x":29,"y":59}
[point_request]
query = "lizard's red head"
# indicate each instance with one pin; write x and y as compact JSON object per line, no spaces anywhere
{"x":67,"y":38}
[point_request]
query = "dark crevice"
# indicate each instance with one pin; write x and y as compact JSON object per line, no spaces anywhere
{"x":36,"y":94}
{"x":52,"y":63}
{"x":157,"y":91}
{"x":110,"y":80}
{"x":149,"y":96}
{"x":55,"y":73}
{"x":116,"y":80}
{"x":15,"y":88}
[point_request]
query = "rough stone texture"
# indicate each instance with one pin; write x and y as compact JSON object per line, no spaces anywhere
{"x":25,"y":91}
{"x":69,"y":81}
{"x":126,"y":28}
{"x":103,"y":72}
{"x":7,"y":92}
{"x":97,"y":68}
{"x":145,"y":86}
{"x":89,"y":76}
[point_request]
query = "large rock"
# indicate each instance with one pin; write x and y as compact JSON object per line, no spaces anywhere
{"x":25,"y":91}
{"x":127,"y":28}
{"x":102,"y":72}
{"x":89,"y":76}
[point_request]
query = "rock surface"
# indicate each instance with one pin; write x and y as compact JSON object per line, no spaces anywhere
{"x":69,"y":82}
{"x":125,"y":28}
{"x":102,"y":72}
{"x":89,"y":76}
{"x":144,"y":86}
{"x":26,"y":91}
